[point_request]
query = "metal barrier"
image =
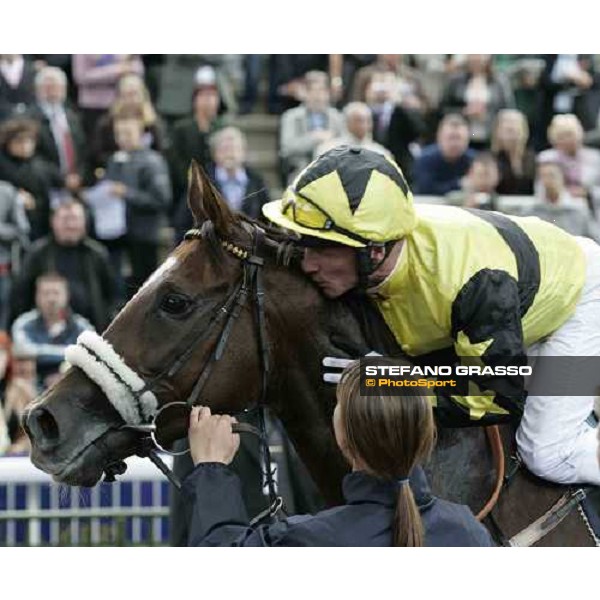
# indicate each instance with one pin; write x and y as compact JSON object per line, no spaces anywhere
{"x":36,"y":511}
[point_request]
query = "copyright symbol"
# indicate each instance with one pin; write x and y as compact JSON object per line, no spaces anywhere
{"x":370,"y":382}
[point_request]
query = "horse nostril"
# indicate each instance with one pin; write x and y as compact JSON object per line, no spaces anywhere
{"x":41,"y":425}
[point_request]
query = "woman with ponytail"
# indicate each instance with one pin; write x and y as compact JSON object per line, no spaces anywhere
{"x":384,"y":438}
{"x":387,"y":437}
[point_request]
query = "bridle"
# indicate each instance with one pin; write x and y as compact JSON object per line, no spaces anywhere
{"x":141,"y":391}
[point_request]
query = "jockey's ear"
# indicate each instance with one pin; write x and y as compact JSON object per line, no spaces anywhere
{"x":205,"y":201}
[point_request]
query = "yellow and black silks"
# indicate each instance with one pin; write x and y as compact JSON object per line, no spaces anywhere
{"x":487,"y":285}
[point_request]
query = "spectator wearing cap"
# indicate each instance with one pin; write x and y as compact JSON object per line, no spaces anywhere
{"x":558,"y":205}
{"x":30,"y":174}
{"x":441,"y":166}
{"x":132,"y":93}
{"x":307,"y":126}
{"x":190,"y":136}
{"x":243,"y":188}
{"x":96,"y":76}
{"x":83,"y":262}
{"x":16,"y":85}
{"x":14,"y":232}
{"x":359,"y":130}
{"x":50,"y":327}
{"x":61,"y":139}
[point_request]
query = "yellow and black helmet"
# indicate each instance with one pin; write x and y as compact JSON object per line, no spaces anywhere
{"x":349,"y":195}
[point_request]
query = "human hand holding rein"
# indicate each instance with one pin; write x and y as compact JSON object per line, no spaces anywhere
{"x":211,"y":437}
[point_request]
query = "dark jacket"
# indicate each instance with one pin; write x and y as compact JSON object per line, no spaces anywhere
{"x":85,"y":266}
{"x":16,"y":100}
{"x":294,"y":484}
{"x":512,"y":183}
{"x":433,"y":175}
{"x":146,"y":175}
{"x":220,"y":518}
{"x":255,"y":196}
{"x":187,"y":143}
{"x":406,"y":127}
{"x":46,"y":146}
{"x":37,"y":177}
{"x":585,"y":105}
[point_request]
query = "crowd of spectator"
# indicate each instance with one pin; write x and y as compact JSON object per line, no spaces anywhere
{"x":95,"y":151}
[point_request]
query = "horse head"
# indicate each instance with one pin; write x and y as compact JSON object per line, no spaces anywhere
{"x":166,"y":337}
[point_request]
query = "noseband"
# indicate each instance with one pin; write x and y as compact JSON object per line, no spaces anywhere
{"x":133,"y":397}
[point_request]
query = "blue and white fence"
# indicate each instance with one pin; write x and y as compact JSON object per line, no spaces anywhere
{"x":35,"y":511}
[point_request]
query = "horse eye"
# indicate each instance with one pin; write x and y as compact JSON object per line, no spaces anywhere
{"x":174,"y":304}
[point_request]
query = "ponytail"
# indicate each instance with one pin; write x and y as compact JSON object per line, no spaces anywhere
{"x":408,"y":526}
{"x":390,"y":435}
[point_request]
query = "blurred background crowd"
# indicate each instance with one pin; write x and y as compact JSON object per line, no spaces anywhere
{"x":95,"y":149}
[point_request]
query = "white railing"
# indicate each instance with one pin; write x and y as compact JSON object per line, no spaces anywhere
{"x":512,"y":205}
{"x":36,"y":511}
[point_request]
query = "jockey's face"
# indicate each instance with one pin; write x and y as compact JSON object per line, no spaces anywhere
{"x":332,"y":269}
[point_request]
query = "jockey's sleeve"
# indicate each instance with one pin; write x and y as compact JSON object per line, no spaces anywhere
{"x":487,"y":331}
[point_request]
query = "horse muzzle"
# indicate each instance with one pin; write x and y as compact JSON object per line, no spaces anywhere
{"x":73,"y":431}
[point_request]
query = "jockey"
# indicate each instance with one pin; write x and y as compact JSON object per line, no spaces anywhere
{"x":483,"y":285}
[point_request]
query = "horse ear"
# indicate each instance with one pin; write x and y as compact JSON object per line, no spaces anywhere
{"x":205,"y":201}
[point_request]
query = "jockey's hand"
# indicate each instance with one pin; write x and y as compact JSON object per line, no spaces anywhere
{"x":211,"y":437}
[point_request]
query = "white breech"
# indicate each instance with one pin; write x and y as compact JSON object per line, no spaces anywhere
{"x":554,"y":439}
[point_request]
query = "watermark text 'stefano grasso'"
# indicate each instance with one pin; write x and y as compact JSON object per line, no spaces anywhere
{"x":542,"y":376}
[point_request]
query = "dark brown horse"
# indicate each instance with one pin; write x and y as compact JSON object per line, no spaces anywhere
{"x":75,"y":432}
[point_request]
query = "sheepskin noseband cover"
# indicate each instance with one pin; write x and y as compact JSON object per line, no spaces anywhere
{"x":99,"y":361}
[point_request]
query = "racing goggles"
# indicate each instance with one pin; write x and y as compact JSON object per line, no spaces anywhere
{"x":303,"y":211}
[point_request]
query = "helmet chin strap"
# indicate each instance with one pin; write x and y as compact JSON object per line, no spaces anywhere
{"x":366,"y":266}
